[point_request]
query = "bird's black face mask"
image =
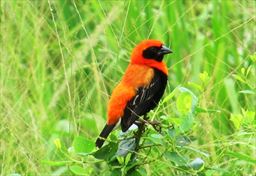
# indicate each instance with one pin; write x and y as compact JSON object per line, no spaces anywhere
{"x":156,"y":53}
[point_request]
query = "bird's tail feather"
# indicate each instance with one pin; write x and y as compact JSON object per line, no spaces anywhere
{"x":104,"y":134}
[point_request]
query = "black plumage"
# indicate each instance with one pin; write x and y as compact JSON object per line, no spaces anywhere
{"x":104,"y":134}
{"x":145,"y":100}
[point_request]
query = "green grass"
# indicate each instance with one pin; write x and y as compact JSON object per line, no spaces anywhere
{"x":60,"y":59}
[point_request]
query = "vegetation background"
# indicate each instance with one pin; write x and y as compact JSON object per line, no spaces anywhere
{"x":60,"y":59}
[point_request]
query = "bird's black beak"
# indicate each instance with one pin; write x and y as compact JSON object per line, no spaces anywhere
{"x":165,"y":50}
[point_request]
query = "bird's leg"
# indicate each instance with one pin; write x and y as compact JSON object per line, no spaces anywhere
{"x":141,"y":121}
{"x":139,"y":133}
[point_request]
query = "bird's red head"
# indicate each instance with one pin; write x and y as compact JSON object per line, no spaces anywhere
{"x":150,"y":53}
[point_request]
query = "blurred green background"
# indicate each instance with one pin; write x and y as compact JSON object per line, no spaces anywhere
{"x":60,"y":59}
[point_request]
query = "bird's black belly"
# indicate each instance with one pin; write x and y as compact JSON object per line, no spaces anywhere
{"x":145,"y":99}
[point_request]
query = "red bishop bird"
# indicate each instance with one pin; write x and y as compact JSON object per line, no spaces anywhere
{"x":140,"y":89}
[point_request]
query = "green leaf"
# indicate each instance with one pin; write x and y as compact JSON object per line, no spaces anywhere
{"x":171,"y":133}
{"x":189,"y":101}
{"x":120,"y":160}
{"x":126,"y":146}
{"x":177,"y":159}
{"x":64,"y":126}
{"x":142,"y":171}
{"x":78,"y":170}
{"x":186,"y":123}
{"x":128,"y":158}
{"x":195,"y":85}
{"x":107,"y":152}
{"x":237,"y":120}
{"x":197,"y":164}
{"x":239,"y":78}
{"x":241,"y":156}
{"x":139,"y":172}
{"x":116,"y":172}
{"x":184,"y":103}
{"x":60,"y":171}
{"x":182,"y":141}
{"x":232,"y":95}
{"x":204,"y":77}
{"x":213,"y":172}
{"x":83,"y":145}
{"x":156,"y":138}
{"x":253,"y":57}
{"x":89,"y":123}
{"x":249,"y":117}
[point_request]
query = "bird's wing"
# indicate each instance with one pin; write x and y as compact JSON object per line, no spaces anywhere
{"x":145,"y":99}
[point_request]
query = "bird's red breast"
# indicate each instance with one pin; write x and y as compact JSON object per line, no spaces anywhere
{"x":135,"y":76}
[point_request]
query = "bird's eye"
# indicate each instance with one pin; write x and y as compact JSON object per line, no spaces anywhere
{"x":151,"y":52}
